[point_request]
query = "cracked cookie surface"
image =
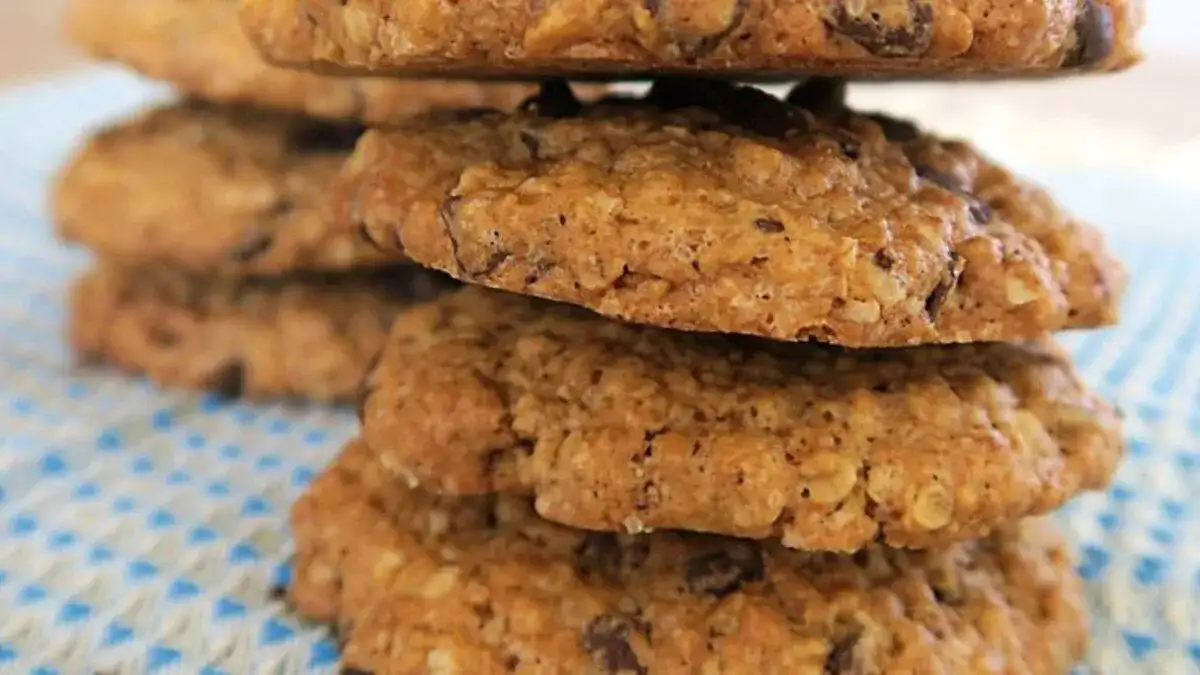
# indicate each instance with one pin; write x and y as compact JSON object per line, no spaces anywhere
{"x":212,"y":189}
{"x":198,"y":46}
{"x":620,"y":428}
{"x":761,"y":38}
{"x":305,"y":336}
{"x":418,"y":584}
{"x":704,"y":206}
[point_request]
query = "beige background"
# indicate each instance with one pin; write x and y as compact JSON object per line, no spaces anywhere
{"x":29,"y":39}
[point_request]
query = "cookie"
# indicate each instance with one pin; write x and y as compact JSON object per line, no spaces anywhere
{"x":422,"y":584}
{"x":705,"y":206}
{"x":616,"y":427}
{"x":730,"y":38}
{"x":306,"y":336}
{"x":212,"y":189}
{"x":198,"y":47}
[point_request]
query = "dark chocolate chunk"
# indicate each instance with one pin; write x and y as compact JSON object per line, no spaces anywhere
{"x":841,"y":658}
{"x":822,"y":96}
{"x":722,"y":572}
{"x":756,"y":110}
{"x":554,"y":99}
{"x":884,"y":260}
{"x":1095,"y":35}
{"x":981,"y":211}
{"x":321,"y":137}
{"x":606,"y":638}
{"x":255,"y":243}
{"x":693,"y":45}
{"x":599,"y":555}
{"x":769,"y":225}
{"x":895,"y":129}
{"x":943,"y":289}
{"x":673,"y":93}
{"x":228,"y":381}
{"x":871,"y":30}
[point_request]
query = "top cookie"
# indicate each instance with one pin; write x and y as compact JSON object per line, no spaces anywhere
{"x":709,"y":207}
{"x":198,"y":46}
{"x":760,"y":38}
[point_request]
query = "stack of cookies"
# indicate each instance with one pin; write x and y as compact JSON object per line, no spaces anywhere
{"x":736,"y":383}
{"x":217,"y":269}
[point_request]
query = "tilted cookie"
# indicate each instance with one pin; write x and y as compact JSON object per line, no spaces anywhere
{"x":198,"y":46}
{"x":212,"y":189}
{"x":422,"y":584}
{"x":709,"y":207}
{"x":616,"y":427}
{"x":307,"y":336}
{"x":760,"y":38}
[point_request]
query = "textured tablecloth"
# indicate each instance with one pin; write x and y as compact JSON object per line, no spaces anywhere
{"x":143,"y":531}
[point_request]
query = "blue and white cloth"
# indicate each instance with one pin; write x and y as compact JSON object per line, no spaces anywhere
{"x":142,"y":531}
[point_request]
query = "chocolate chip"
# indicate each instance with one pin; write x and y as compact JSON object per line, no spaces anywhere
{"x":896,"y":130}
{"x":278,"y":593}
{"x":692,"y":43}
{"x":673,"y":93}
{"x":255,"y":243}
{"x":980,"y":211}
{"x":762,"y":113}
{"x":599,"y":554}
{"x":841,"y":658}
{"x":722,"y":572}
{"x":320,"y":137}
{"x":822,"y":96}
{"x":511,"y":662}
{"x":606,"y":638}
{"x":871,"y":31}
{"x":228,"y":381}
{"x":884,"y":260}
{"x":554,"y":99}
{"x":942,"y":179}
{"x":949,"y":281}
{"x":1095,"y":35}
{"x":769,"y":225}
{"x":948,"y":596}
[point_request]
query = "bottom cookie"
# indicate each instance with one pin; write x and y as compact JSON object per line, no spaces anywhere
{"x":308,"y":336}
{"x":425,"y":584}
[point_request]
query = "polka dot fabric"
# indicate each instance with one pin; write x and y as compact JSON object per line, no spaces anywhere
{"x":144,"y":531}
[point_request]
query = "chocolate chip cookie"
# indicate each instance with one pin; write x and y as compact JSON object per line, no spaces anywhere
{"x":198,"y":46}
{"x":307,"y":335}
{"x":212,"y":189}
{"x":706,"y":206}
{"x":732,"y":38}
{"x":432,"y":584}
{"x":620,"y":428}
